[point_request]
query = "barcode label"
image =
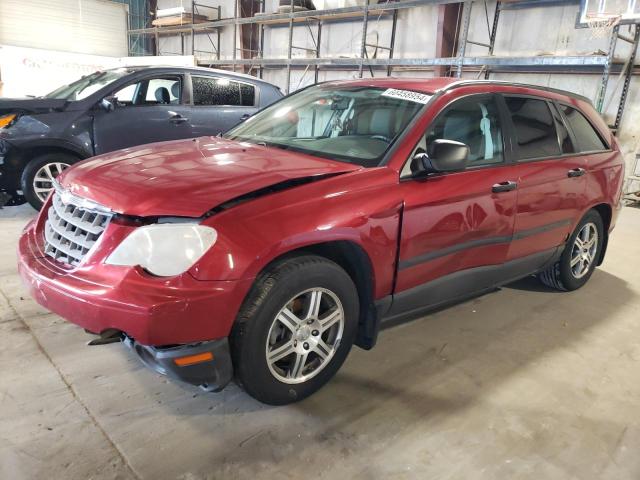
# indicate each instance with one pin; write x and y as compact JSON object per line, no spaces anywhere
{"x":407,"y":95}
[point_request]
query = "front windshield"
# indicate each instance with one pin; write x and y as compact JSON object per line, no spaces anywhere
{"x":351,"y":124}
{"x":87,"y":85}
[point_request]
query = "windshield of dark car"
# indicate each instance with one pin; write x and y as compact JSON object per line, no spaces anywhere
{"x":352,"y":124}
{"x":87,"y":85}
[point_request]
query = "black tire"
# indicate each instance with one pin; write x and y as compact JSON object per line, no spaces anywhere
{"x":35,"y":164}
{"x":560,"y":275}
{"x":272,"y":290}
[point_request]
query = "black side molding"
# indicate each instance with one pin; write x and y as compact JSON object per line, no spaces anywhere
{"x":425,"y":257}
{"x":467,"y":283}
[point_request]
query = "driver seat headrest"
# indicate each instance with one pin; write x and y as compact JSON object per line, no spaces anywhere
{"x":162,"y":95}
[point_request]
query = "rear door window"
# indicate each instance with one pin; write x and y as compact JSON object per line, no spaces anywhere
{"x":222,"y":91}
{"x":534,"y":128}
{"x":587,"y":138}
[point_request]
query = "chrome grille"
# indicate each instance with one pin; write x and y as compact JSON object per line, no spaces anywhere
{"x":72,"y":228}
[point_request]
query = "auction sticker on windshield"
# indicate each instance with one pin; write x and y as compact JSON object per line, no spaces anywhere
{"x":407,"y":95}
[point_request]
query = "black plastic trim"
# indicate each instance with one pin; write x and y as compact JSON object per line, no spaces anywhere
{"x":411,"y":262}
{"x":212,"y":375}
{"x":467,"y":283}
{"x":542,"y":229}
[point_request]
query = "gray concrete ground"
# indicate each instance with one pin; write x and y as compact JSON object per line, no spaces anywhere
{"x":522,"y":383}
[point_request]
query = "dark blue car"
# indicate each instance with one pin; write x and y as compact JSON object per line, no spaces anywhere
{"x":113,"y":109}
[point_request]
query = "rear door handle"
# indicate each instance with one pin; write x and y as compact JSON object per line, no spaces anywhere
{"x":504,"y":187}
{"x":576,"y":172}
{"x":245,"y":116}
{"x":177,"y":118}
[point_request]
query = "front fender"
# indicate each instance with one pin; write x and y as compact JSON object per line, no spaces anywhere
{"x":71,"y":131}
{"x":252,"y":235}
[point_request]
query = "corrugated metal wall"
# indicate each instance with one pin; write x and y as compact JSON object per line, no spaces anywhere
{"x":96,"y":27}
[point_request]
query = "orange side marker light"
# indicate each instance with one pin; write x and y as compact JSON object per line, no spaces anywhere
{"x":193,"y":359}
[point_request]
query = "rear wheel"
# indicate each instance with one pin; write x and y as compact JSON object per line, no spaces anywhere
{"x":39,"y":174}
{"x":578,"y":261}
{"x":295,"y":329}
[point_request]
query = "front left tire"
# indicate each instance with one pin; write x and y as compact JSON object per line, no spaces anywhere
{"x":295,"y":329}
{"x":39,"y":174}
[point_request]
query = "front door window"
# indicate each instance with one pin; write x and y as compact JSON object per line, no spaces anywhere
{"x":151,"y":91}
{"x":476,"y":123}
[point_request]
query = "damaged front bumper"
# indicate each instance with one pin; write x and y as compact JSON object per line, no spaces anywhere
{"x":206,"y":364}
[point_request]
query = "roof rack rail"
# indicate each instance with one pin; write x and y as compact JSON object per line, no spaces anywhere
{"x":462,"y":83}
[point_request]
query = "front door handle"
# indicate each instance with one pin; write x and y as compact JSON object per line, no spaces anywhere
{"x":177,"y":118}
{"x":245,"y":116}
{"x":504,"y":187}
{"x":576,"y":172}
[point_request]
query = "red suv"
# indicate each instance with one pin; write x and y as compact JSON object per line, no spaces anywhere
{"x":267,"y":253}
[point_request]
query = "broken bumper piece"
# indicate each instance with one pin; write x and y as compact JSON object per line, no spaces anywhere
{"x":206,"y":364}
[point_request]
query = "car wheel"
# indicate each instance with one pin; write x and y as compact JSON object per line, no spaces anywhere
{"x":578,"y":261}
{"x":295,"y":329}
{"x":38,"y":175}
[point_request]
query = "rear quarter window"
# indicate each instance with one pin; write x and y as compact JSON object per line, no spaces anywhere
{"x":534,"y":127}
{"x":587,"y":137}
{"x":247,"y":95}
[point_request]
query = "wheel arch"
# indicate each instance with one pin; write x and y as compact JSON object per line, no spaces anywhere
{"x":354,"y":260}
{"x":33,"y":151}
{"x":606,"y":213}
{"x":18,"y":159}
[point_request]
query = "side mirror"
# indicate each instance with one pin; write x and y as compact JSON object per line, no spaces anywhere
{"x":108,"y":104}
{"x":444,"y":156}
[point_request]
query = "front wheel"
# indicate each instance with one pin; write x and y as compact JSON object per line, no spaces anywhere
{"x":580,"y":256}
{"x":295,"y":329}
{"x":39,"y":174}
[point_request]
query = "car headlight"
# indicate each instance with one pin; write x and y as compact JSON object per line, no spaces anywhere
{"x":5,"y":120}
{"x":164,"y":249}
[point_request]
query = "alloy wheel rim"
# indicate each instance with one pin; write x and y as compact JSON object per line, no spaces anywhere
{"x":583,"y":251}
{"x":305,"y":335}
{"x":44,"y":177}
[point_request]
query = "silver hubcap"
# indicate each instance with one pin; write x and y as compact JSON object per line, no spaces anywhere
{"x":305,"y":335}
{"x":43,"y":181}
{"x":584,"y":250}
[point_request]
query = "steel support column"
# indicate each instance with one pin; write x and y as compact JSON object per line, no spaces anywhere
{"x":602,"y":90}
{"x":627,"y":79}
{"x":462,"y":37}
{"x":363,"y":44}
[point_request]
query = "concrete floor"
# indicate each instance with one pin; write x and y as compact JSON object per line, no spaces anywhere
{"x":521,"y":383}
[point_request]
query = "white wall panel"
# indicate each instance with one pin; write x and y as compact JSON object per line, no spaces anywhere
{"x":97,"y":27}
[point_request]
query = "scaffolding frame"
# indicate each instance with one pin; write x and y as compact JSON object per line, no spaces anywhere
{"x":363,"y":13}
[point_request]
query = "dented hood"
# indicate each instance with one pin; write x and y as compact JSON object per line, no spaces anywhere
{"x":31,"y":105}
{"x":188,"y":177}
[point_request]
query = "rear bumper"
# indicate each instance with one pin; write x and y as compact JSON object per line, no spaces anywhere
{"x":211,"y":375}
